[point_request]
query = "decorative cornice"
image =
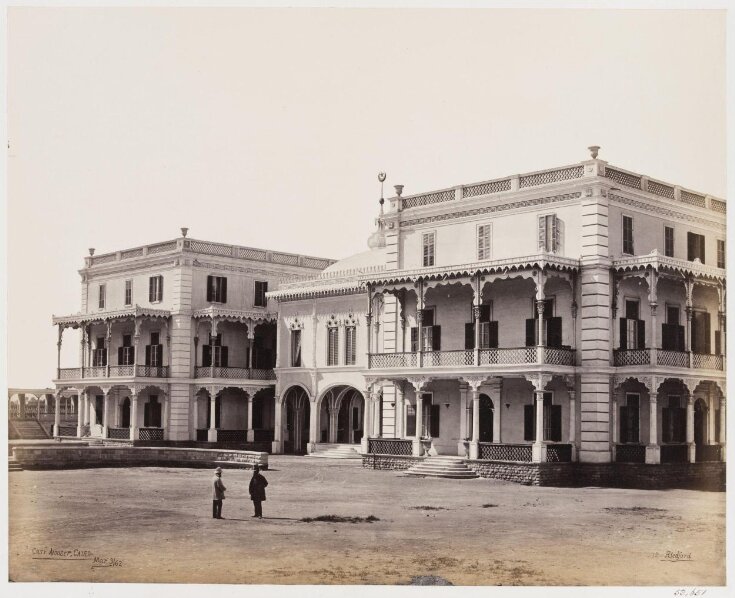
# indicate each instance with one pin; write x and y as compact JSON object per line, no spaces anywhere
{"x":660,"y":210}
{"x":658,"y":262}
{"x":512,"y":205}
{"x":233,"y":315}
{"x":75,"y":320}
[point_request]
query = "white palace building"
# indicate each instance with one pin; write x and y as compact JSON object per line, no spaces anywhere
{"x":575,"y":314}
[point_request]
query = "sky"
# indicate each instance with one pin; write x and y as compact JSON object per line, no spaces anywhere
{"x":267,"y":127}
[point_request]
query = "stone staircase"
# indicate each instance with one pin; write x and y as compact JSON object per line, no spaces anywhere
{"x":442,"y":467}
{"x":336,"y":451}
{"x":28,"y":429}
{"x":13,"y":465}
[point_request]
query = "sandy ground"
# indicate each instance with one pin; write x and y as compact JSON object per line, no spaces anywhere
{"x":155,"y":525}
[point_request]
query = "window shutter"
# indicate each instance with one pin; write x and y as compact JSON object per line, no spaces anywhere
{"x":641,"y":340}
{"x":469,"y":336}
{"x":553,"y":332}
{"x":484,"y":313}
{"x":555,"y":234}
{"x":156,"y":414}
{"x":210,"y":288}
{"x":530,"y":332}
{"x":435,"y":415}
{"x":206,"y":356}
{"x":718,"y":343}
{"x":120,"y":358}
{"x":623,"y":333}
{"x":148,"y":355}
{"x":691,"y":242}
{"x":555,"y":421}
{"x":701,"y":248}
{"x":528,"y":423}
{"x":224,"y":357}
{"x":492,"y":335}
{"x":160,"y":288}
{"x":414,"y":339}
{"x":681,"y":342}
{"x":668,"y":337}
{"x":151,"y":289}
{"x":436,"y":340}
{"x":224,"y":290}
{"x":542,"y":233}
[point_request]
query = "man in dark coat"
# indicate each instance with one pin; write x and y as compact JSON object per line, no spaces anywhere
{"x":257,"y":491}
{"x":218,"y":494}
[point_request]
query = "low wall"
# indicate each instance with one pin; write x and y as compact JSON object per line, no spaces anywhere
{"x":65,"y":457}
{"x":696,"y":476}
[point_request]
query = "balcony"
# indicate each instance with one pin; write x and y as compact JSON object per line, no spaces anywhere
{"x":232,"y":373}
{"x":113,"y":371}
{"x":676,"y":359}
{"x":466,"y":358}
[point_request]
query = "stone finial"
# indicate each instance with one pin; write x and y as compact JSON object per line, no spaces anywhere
{"x":593,"y":151}
{"x":399,"y":189}
{"x":91,"y":251}
{"x":184,"y":231}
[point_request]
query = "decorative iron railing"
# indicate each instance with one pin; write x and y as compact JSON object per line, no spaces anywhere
{"x":703,"y":361}
{"x":232,"y":435}
{"x":449,"y":358}
{"x":623,"y":357}
{"x":70,"y":373}
{"x":95,"y":371}
{"x":390,"y":446}
{"x":152,"y":371}
{"x":67,"y":430}
{"x":393,"y":360}
{"x":118,"y":433}
{"x":558,"y":453}
{"x":513,"y":356}
{"x":559,"y":356}
{"x":121,"y":370}
{"x":676,"y":359}
{"x":505,"y":452}
{"x":630,"y":453}
{"x":707,"y":452}
{"x":150,"y":434}
{"x":234,"y":373}
{"x":674,"y":453}
{"x":202,"y":435}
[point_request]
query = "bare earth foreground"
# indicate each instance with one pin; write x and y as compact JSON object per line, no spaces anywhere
{"x":155,"y":525}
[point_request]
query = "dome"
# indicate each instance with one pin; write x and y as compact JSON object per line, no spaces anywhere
{"x":359,"y":261}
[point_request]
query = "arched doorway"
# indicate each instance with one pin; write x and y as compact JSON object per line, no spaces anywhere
{"x":487,"y":409}
{"x":298,"y":408}
{"x":700,"y":422}
{"x":125,"y":413}
{"x":349,"y":418}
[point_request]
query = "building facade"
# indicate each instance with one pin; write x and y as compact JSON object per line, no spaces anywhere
{"x":572,"y":314}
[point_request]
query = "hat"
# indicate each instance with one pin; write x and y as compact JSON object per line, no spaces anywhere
{"x":256,"y":468}
{"x":218,"y":470}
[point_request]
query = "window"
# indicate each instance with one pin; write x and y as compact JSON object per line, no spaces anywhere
{"x":333,"y":345}
{"x":673,"y":421}
{"x":672,"y":334}
{"x":296,"y":348}
{"x":483,"y":242}
{"x":154,"y":351}
{"x":125,"y":353}
{"x":216,"y":289}
{"x":428,"y":249}
{"x":488,"y":329}
{"x":632,"y":329}
{"x":552,"y":419}
{"x":695,"y":247}
{"x":549,"y":233}
{"x":155,"y":289}
{"x":99,"y":406}
{"x":261,"y":288}
{"x":102,"y":293}
{"x":152,"y":413}
{"x":410,"y":419}
{"x":215,"y":354}
{"x":720,"y":253}
{"x":630,"y":418}
{"x":128,"y":292}
{"x":552,"y":327}
{"x":431,"y":334}
{"x":350,"y":345}
{"x":628,"y":235}
{"x":701,"y":332}
{"x":99,"y":357}
{"x":431,"y":415}
{"x":668,"y":241}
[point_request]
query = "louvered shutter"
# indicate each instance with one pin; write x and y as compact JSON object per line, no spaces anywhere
{"x":623,"y":333}
{"x":681,"y":339}
{"x":641,"y":337}
{"x":151,"y":289}
{"x":434,"y":419}
{"x":224,"y":290}
{"x":718,"y":342}
{"x":530,"y":332}
{"x":555,"y":234}
{"x":206,"y":356}
{"x":553,"y":332}
{"x":469,"y":336}
{"x":120,"y":358}
{"x":210,"y":288}
{"x":436,"y":338}
{"x":528,"y":422}
{"x":148,"y":355}
{"x":691,"y":246}
{"x":542,"y":233}
{"x":414,"y":339}
{"x":224,"y":360}
{"x":492,"y":342}
{"x":701,"y":248}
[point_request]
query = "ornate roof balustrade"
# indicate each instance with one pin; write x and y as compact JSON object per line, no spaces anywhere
{"x":76,"y":320}
{"x":186,"y":245}
{"x":672,"y":265}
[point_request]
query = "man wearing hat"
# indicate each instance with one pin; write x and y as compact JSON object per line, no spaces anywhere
{"x":257,"y":491}
{"x":218,"y":494}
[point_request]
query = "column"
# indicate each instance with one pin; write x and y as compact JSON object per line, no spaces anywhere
{"x":212,"y":432}
{"x":540,"y":342}
{"x":136,"y":343}
{"x":462,"y":449}
{"x":58,"y":352}
{"x":313,"y":419}
{"x":164,"y":415}
{"x":213,"y":334}
{"x":80,"y":414}
{"x":250,"y":429}
{"x":367,"y":409}
{"x":277,"y":447}
{"x":377,"y":432}
{"x":399,"y":411}
{"x":476,"y":313}
{"x":108,"y":340}
{"x":475,"y":439}
{"x":573,"y":422}
{"x":710,"y":418}
{"x":615,"y":411}
{"x":332,"y":413}
{"x":539,"y":448}
{"x":417,"y":449}
{"x":82,"y":351}
{"x":653,"y":450}
{"x":251,"y":347}
{"x":688,"y":334}
{"x":134,"y":416}
{"x":105,"y":407}
{"x":497,"y":415}
{"x":420,"y":335}
{"x":690,"y":428}
{"x":654,"y":335}
{"x":87,"y":410}
{"x":57,"y":414}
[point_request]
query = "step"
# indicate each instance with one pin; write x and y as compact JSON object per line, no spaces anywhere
{"x":442,"y":467}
